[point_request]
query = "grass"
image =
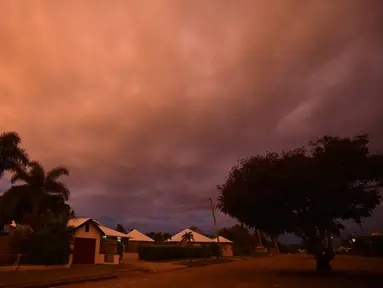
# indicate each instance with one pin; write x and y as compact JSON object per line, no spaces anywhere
{"x":204,"y":262}
{"x":22,"y":277}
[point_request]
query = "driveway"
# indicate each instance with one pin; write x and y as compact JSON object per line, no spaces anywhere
{"x":292,"y":271}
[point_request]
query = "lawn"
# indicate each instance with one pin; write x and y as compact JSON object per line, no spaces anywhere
{"x":23,"y":277}
{"x":203,"y":262}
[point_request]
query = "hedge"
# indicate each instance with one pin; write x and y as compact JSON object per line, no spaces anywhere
{"x":44,"y":249}
{"x":369,"y":246}
{"x":169,"y":252}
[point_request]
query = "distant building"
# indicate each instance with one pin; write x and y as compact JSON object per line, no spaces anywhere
{"x":136,"y":238}
{"x":198,"y":238}
{"x":226,"y":245}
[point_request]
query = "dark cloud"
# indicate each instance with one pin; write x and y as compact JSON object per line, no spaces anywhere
{"x":150,"y":105}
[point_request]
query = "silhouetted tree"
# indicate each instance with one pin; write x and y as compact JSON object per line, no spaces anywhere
{"x":38,"y":192}
{"x":120,"y":228}
{"x":307,"y":191}
{"x":187,"y":237}
{"x":196,"y":229}
{"x":11,"y":155}
{"x":166,"y":236}
{"x":243,"y":240}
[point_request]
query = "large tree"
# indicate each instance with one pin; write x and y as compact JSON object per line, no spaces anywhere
{"x":244,"y":241}
{"x":38,"y":192}
{"x":307,"y":191}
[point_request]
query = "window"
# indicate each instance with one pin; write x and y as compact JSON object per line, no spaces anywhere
{"x":87,"y":227}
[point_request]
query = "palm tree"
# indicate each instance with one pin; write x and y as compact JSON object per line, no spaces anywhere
{"x":41,"y":190}
{"x":11,"y":155}
{"x":188,"y":237}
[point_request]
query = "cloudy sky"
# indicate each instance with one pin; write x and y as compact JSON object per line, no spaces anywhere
{"x":150,"y":103}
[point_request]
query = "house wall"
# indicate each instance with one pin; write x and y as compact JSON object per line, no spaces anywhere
{"x":93,"y":233}
{"x":101,"y":259}
{"x":227,"y":249}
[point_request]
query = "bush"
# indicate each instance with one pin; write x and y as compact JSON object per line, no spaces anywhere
{"x":169,"y":252}
{"x":214,"y":249}
{"x":369,"y":246}
{"x":44,"y":248}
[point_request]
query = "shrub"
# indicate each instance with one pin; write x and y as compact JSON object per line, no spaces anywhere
{"x":169,"y":252}
{"x":214,"y":249}
{"x":369,"y":246}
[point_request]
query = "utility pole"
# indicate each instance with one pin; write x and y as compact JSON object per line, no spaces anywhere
{"x":216,"y":228}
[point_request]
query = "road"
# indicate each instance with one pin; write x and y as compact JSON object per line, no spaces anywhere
{"x":287,"y":271}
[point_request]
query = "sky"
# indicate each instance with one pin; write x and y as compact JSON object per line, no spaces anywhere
{"x":150,"y":103}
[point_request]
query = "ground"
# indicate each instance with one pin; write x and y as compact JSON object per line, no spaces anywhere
{"x":285,"y":271}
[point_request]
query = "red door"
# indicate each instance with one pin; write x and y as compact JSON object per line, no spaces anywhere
{"x":84,"y":251}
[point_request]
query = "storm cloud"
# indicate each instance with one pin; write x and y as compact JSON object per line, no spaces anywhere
{"x":150,"y":103}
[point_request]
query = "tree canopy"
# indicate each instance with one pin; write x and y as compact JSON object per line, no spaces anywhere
{"x":159,"y":237}
{"x":34,"y":191}
{"x":307,"y":191}
{"x":11,"y":155}
{"x":187,"y":237}
{"x":120,"y":228}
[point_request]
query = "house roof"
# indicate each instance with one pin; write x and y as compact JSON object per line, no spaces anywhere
{"x":222,"y":240}
{"x":76,"y":223}
{"x":112,"y":233}
{"x":197,"y":237}
{"x":138,"y":236}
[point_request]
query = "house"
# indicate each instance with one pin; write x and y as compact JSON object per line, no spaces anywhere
{"x":137,"y":238}
{"x":198,"y":238}
{"x":226,"y":245}
{"x":94,"y":243}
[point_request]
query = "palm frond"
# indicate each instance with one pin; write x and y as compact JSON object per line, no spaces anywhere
{"x":20,"y":174}
{"x":37,"y":172}
{"x":57,"y":188}
{"x":56,"y":172}
{"x":10,"y":137}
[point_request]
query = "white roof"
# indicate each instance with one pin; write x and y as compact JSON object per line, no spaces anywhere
{"x":76,"y":222}
{"x":135,"y":235}
{"x":222,"y":240}
{"x":112,"y":233}
{"x":197,"y":237}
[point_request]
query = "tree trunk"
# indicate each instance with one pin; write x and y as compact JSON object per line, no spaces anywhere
{"x":323,"y":254}
{"x":276,"y":244}
{"x":260,"y":238}
{"x":323,"y":260}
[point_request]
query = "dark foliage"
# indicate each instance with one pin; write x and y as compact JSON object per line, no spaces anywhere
{"x":307,"y":191}
{"x":159,"y":237}
{"x":169,"y":252}
{"x":11,"y":155}
{"x":120,"y":228}
{"x":368,"y":246}
{"x":244,"y":241}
